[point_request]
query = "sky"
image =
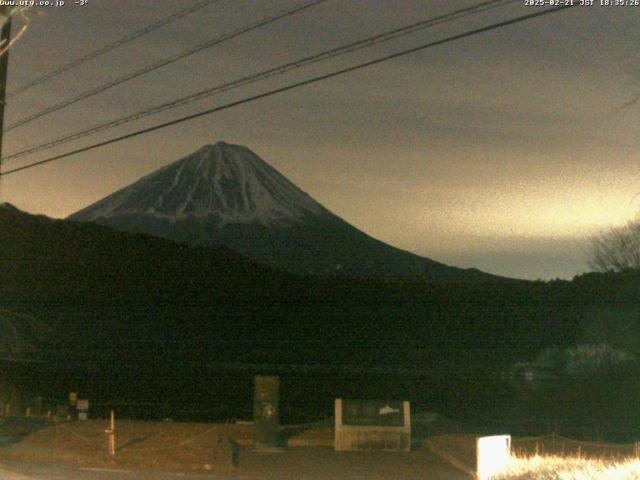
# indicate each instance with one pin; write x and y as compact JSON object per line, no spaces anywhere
{"x":504,"y":151}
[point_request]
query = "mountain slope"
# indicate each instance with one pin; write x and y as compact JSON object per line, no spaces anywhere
{"x":226,"y":195}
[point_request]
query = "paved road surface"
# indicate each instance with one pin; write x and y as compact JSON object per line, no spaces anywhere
{"x":291,"y":464}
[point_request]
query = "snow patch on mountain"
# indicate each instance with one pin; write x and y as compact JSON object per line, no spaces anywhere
{"x":228,"y":182}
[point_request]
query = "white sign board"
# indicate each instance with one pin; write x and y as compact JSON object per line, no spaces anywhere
{"x":493,"y":455}
{"x":83,"y":405}
{"x":372,"y":425}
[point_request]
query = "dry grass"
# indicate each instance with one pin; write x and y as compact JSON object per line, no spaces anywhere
{"x":570,"y":468}
{"x":161,"y":445}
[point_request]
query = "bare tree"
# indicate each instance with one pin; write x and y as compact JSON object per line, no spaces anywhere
{"x":617,"y":249}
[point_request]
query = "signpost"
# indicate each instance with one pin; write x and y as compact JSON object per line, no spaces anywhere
{"x":110,"y":436}
{"x":83,"y":409}
{"x":493,"y":455}
{"x":266,"y":415}
{"x":372,"y":425}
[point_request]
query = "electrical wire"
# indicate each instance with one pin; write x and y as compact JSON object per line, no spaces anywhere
{"x":289,"y":87}
{"x":111,"y":46}
{"x":265,"y":74}
{"x":161,"y":63}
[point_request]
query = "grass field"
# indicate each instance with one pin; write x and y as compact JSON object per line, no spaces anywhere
{"x":570,"y":468}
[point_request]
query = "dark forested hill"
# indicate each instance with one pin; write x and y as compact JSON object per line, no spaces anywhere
{"x":97,"y":286}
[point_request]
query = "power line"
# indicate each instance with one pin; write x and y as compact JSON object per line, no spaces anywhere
{"x":164,"y":62}
{"x":265,"y":74}
{"x":292,"y":86}
{"x":111,"y":46}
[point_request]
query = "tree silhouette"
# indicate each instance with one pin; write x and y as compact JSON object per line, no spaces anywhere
{"x":617,"y":249}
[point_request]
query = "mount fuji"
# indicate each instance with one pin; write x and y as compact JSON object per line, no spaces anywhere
{"x":226,"y":195}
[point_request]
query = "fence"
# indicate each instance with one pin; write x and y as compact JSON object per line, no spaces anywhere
{"x":558,"y":445}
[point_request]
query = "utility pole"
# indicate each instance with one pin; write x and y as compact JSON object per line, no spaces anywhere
{"x":5,"y":38}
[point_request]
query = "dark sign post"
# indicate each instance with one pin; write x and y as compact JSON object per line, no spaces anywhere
{"x":265,"y":412}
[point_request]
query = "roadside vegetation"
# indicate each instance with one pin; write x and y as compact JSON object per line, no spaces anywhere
{"x":570,"y":468}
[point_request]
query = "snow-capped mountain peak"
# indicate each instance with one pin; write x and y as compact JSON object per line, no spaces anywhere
{"x":228,"y":182}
